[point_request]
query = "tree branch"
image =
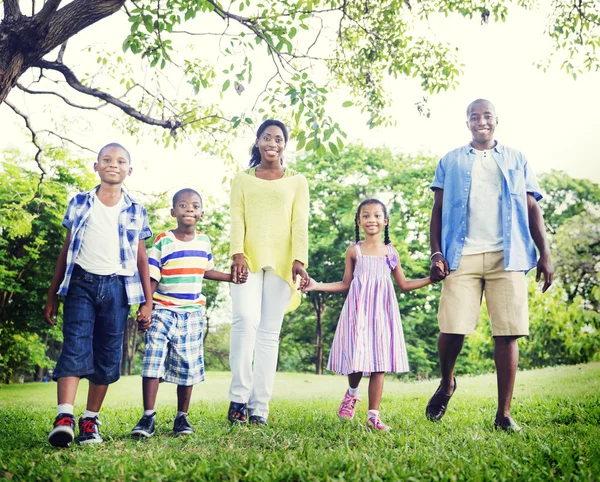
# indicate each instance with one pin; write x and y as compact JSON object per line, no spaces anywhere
{"x":39,"y":153}
{"x":43,"y":17}
{"x":75,"y":83}
{"x":49,"y":92}
{"x":11,"y":9}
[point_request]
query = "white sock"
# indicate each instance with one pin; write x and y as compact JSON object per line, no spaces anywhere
{"x":148,"y":412}
{"x":354,"y":391}
{"x":372,"y":413}
{"x":64,"y":408}
{"x":179,"y":414}
{"x":89,"y":414}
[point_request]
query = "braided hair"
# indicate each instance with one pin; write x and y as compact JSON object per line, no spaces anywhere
{"x":255,"y":155}
{"x":386,"y":231}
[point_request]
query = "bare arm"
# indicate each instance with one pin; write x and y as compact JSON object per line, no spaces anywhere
{"x":339,"y":286}
{"x":435,"y":239}
{"x":408,"y":284}
{"x":51,"y":308}
{"x":214,"y":275}
{"x":538,"y":233}
{"x":145,"y":310}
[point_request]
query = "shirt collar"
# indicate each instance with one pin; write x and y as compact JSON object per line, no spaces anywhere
{"x":127,"y":200}
{"x":499,"y":148}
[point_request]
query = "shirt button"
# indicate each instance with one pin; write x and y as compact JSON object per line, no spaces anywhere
{"x":468,"y":172}
{"x":462,"y":239}
{"x":465,"y":188}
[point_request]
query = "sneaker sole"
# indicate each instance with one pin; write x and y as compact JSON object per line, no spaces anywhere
{"x":140,"y":434}
{"x":345,"y":418}
{"x":90,"y":441}
{"x":185,"y":432}
{"x":61,"y":437}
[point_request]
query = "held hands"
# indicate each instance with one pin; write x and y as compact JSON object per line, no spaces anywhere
{"x":439,"y":268}
{"x":298,"y":270}
{"x":308,"y":285}
{"x":544,"y":267}
{"x":239,"y":269}
{"x":144,"y":318}
{"x":51,"y":309}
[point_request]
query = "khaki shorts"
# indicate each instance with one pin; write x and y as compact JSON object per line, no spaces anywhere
{"x":505,"y":296}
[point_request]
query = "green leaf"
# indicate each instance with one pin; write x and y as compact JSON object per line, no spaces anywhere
{"x":226,"y":85}
{"x":348,"y":103}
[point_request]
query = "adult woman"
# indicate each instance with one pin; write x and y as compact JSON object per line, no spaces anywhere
{"x":269,"y":243}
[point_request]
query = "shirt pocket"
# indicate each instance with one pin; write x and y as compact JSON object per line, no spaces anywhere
{"x":133,"y":230}
{"x":516,"y":181}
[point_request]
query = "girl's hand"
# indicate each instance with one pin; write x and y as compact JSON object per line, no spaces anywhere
{"x":439,"y":268}
{"x":309,"y":285}
{"x":239,"y":269}
{"x":298,"y":270}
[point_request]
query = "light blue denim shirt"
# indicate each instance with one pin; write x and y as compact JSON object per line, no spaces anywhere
{"x":453,"y":175}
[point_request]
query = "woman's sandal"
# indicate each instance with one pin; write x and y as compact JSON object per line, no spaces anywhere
{"x":237,"y":413}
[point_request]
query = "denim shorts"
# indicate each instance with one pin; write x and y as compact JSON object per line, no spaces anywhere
{"x":94,"y":318}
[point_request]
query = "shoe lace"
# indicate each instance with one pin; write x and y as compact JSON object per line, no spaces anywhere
{"x":348,"y":402}
{"x":377,"y":423}
{"x":88,"y":426}
{"x":64,"y":421}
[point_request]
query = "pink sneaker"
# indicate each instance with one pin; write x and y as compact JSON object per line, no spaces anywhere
{"x":375,"y":423}
{"x":346,"y":410}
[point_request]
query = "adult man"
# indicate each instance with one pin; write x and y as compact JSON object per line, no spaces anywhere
{"x":484,"y":223}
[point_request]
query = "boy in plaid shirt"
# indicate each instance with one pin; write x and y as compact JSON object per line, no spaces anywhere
{"x":180,"y":260}
{"x":101,"y":270}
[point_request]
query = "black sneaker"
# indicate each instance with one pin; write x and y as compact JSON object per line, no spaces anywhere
{"x":88,"y":431}
{"x":181,"y":426}
{"x":145,"y":427}
{"x":63,"y":432}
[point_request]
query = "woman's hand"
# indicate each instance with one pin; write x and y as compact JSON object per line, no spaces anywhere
{"x":239,"y":269}
{"x":298,"y":270}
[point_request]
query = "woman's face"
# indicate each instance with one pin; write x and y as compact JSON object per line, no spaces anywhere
{"x":271,"y":144}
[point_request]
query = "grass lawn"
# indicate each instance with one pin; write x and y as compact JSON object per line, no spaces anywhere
{"x":559,"y":409}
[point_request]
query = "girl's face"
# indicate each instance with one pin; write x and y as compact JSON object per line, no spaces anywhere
{"x":271,"y":144}
{"x":372,"y":219}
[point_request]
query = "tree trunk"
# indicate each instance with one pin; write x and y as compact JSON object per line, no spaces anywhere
{"x":125,"y":353}
{"x":133,"y":348}
{"x":319,"y":310}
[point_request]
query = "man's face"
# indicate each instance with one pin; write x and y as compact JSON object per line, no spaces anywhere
{"x":482,"y":122}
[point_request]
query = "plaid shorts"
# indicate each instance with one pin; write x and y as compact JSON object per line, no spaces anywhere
{"x":174,"y":347}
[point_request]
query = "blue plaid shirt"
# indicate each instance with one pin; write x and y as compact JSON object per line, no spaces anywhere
{"x":133,"y":226}
{"x":453,"y":175}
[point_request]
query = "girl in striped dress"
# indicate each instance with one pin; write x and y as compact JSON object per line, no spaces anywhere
{"x":369,"y":338}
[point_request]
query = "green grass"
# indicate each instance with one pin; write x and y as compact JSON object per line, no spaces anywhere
{"x":558,"y":407}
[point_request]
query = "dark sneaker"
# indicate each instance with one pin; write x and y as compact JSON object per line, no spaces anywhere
{"x":145,"y":427}
{"x":88,"y":431}
{"x":63,"y":432}
{"x":181,"y":426}
{"x":258,"y":420}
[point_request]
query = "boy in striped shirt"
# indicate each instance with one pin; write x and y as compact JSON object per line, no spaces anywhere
{"x":179,"y":260}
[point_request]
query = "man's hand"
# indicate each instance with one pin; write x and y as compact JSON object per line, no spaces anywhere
{"x":544,"y":267}
{"x":439,"y":268}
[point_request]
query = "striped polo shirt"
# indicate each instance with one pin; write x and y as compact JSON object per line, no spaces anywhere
{"x":179,"y":268}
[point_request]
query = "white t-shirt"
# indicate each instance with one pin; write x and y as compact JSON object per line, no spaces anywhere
{"x":484,"y":208}
{"x":100,"y":248}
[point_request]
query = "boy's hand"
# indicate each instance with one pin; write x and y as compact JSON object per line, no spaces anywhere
{"x":298,"y":270}
{"x":308,"y":285}
{"x":51,"y":309}
{"x":239,"y":269}
{"x":143,"y":325}
{"x":144,"y":316}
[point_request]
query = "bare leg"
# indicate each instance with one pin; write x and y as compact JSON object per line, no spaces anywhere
{"x":376,"y":390}
{"x":67,"y":389}
{"x":96,"y":394}
{"x":184,"y":395}
{"x":149,"y":390}
{"x":506,"y":356}
{"x":354,"y":379}
{"x":449,"y":347}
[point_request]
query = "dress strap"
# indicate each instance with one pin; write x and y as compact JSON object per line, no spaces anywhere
{"x":357,"y":247}
{"x":392,"y":257}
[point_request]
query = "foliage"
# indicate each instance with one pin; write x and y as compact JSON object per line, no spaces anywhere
{"x":303,"y":49}
{"x":559,"y":408}
{"x":32,"y":235}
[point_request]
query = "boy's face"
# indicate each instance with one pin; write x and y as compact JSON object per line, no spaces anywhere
{"x":188,"y":210}
{"x":112,"y":165}
{"x":482,"y":122}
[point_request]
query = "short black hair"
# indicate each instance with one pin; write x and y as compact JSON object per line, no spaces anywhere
{"x":480,"y":101}
{"x":117,"y":145}
{"x":186,"y":190}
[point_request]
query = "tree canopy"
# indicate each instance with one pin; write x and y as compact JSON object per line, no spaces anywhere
{"x":194,"y":53}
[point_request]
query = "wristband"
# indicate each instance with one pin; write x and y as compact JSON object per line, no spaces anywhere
{"x":431,"y":257}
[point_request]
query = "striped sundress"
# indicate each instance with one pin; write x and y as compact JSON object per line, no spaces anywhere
{"x":369,"y":335}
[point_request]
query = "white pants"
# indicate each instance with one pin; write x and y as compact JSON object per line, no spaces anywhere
{"x":258,"y":307}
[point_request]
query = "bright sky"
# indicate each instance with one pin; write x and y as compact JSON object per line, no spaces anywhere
{"x":550,"y":117}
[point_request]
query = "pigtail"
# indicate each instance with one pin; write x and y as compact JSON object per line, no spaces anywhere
{"x":356,"y":230}
{"x":386,"y":234}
